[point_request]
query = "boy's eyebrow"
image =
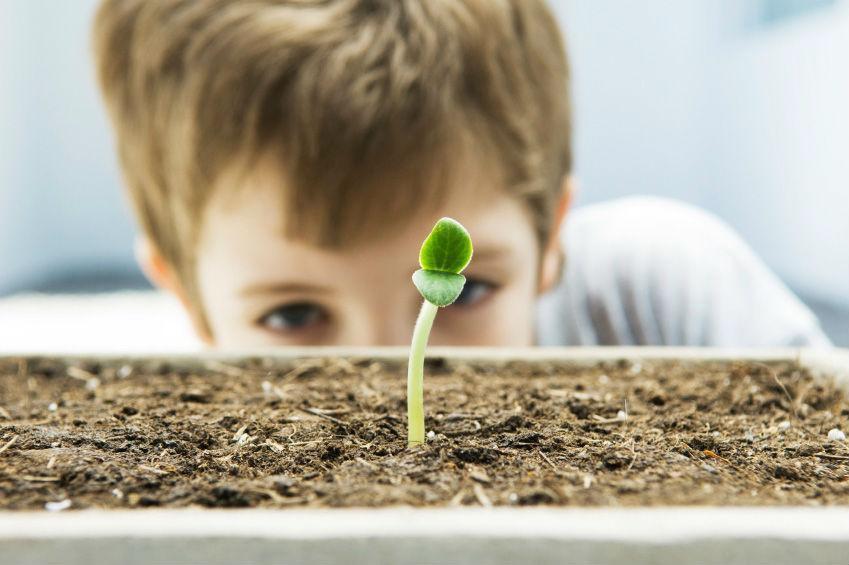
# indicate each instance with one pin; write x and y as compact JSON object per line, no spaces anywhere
{"x":265,"y":288}
{"x":491,"y":253}
{"x":282,"y":288}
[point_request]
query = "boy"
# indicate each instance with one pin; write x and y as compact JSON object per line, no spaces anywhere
{"x":286,"y":159}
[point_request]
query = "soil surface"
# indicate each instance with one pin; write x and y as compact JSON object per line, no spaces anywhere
{"x":332,"y":433}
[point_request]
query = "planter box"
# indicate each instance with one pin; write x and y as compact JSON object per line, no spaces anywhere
{"x":448,"y":535}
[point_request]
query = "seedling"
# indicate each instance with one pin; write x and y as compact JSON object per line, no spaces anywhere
{"x":443,"y":256}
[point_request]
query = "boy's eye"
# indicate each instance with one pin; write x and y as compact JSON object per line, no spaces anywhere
{"x":294,"y":317}
{"x":473,"y":292}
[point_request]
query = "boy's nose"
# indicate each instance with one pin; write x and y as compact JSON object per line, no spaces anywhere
{"x":382,"y":328}
{"x":388,"y":334}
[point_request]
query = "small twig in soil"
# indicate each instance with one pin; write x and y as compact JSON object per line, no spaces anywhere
{"x":550,"y":463}
{"x":153,"y":470}
{"x":79,"y":374}
{"x":457,"y":499}
{"x":714,"y":455}
{"x":692,"y":451}
{"x":480,"y":494}
{"x":282,"y":500}
{"x":585,"y":395}
{"x":270,"y":494}
{"x":230,"y":370}
{"x":292,"y":420}
{"x":9,"y":444}
{"x":368,"y":464}
{"x":31,"y":386}
{"x":607,"y":421}
{"x":456,"y":416}
{"x":479,"y":475}
{"x":320,"y":414}
{"x":37,"y":479}
{"x":309,"y":442}
{"x":275,"y":389}
{"x":303,"y":368}
{"x":345,"y":365}
{"x":333,"y":411}
{"x":274,"y":446}
{"x":787,"y":394}
{"x":239,"y":433}
{"x":91,"y":381}
{"x":780,"y":384}
{"x":225,"y":458}
{"x":833,"y":457}
{"x":34,"y":422}
{"x":633,"y":454}
{"x":51,"y":462}
{"x":292,"y":501}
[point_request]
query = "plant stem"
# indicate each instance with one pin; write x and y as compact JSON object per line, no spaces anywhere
{"x":415,"y":375}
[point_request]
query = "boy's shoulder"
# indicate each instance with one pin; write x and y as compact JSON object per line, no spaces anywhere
{"x":649,"y":217}
{"x":653,"y":271}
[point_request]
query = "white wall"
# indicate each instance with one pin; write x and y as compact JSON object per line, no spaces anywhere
{"x":705,"y":101}
{"x":638,"y":95}
{"x":60,"y":205}
{"x":779,"y":146}
{"x":12,"y":264}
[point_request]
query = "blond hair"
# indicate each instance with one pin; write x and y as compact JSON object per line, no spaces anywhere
{"x":347,"y":94}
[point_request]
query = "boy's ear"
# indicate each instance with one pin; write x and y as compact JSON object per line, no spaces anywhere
{"x":160,"y":274}
{"x":153,"y":265}
{"x":551,"y":268}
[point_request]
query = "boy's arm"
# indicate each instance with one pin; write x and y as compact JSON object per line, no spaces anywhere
{"x":647,"y":271}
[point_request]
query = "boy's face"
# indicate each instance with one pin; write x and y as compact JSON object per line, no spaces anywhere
{"x":259,"y":288}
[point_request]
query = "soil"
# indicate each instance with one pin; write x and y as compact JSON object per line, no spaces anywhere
{"x":332,"y":433}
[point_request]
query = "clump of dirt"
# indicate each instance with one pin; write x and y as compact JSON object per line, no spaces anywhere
{"x":331,"y":433}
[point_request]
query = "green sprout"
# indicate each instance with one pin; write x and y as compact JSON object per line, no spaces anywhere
{"x":444,"y":255}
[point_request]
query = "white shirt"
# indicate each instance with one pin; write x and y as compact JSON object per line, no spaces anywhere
{"x":649,"y":271}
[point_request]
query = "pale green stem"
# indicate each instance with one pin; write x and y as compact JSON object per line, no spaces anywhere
{"x":415,"y":375}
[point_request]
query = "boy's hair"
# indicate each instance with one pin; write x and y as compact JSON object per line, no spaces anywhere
{"x":350,"y":96}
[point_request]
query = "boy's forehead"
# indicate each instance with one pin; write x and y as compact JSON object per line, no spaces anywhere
{"x":244,"y":254}
{"x":394,"y":204}
{"x":245,"y":229}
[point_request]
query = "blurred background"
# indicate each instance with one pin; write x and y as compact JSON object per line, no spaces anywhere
{"x":738,"y":106}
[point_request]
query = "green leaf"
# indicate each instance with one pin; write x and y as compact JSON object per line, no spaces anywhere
{"x":447,"y":249}
{"x":438,"y":287}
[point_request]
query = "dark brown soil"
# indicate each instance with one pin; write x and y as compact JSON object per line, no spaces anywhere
{"x":332,"y":433}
